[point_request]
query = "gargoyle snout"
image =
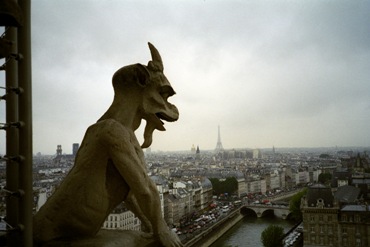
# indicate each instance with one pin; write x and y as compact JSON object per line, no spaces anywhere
{"x":174,"y":113}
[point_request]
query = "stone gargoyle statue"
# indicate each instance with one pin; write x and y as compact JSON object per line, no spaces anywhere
{"x":110,"y":167}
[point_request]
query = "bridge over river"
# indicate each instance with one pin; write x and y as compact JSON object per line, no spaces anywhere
{"x":261,"y":210}
{"x":210,"y":233}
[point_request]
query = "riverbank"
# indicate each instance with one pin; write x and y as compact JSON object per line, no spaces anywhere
{"x":212,"y":234}
{"x":247,"y":232}
{"x":236,"y":230}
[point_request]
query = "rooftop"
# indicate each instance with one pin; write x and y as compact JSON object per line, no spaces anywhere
{"x":357,"y":208}
{"x":319,"y":191}
{"x":347,"y":193}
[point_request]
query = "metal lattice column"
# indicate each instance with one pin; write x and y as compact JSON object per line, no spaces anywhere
{"x":16,"y":49}
{"x":25,"y":116}
{"x":12,"y":143}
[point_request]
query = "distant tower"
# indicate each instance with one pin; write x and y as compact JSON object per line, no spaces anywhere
{"x":59,"y":150}
{"x":192,"y":149}
{"x":197,"y":153}
{"x":219,"y":147}
{"x":257,"y":154}
{"x":75,"y":147}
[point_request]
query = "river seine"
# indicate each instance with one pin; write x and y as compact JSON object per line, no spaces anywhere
{"x":248,"y":231}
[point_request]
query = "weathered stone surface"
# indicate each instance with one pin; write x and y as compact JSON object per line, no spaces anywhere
{"x":110,"y":167}
{"x":109,"y":238}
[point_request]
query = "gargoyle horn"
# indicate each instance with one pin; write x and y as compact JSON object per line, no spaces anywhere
{"x":156,"y":62}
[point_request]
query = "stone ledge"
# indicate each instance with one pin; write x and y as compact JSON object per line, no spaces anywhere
{"x":110,"y":238}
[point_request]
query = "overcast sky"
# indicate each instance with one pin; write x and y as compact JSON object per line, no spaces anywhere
{"x":270,"y":73}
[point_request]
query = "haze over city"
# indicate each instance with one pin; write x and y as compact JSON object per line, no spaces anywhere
{"x":270,"y":73}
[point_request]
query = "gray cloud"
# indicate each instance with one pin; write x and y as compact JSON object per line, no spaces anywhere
{"x":270,"y":73}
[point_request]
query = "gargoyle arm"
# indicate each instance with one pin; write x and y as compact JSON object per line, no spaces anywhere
{"x":121,"y":144}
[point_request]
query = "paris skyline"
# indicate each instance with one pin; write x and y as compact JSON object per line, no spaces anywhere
{"x":282,"y":73}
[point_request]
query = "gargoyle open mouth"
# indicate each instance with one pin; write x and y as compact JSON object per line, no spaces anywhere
{"x":154,"y":121}
{"x":160,"y":117}
{"x":165,"y":117}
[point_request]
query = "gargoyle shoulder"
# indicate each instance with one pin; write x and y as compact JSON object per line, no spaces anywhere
{"x":111,"y":131}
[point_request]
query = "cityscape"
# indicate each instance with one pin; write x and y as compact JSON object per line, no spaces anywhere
{"x":275,"y":75}
{"x":190,"y":205}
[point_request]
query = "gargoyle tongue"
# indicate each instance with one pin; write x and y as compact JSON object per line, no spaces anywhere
{"x":151,"y":124}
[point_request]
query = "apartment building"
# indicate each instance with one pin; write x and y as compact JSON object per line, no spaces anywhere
{"x":334,"y":221}
{"x":122,"y":219}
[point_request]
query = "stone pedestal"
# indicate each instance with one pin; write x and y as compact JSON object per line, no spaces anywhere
{"x":110,"y":238}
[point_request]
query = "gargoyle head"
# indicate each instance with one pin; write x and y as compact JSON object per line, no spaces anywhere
{"x":147,"y":88}
{"x":155,"y":105}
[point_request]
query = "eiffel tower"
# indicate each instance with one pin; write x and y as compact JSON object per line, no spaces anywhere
{"x":219,"y":147}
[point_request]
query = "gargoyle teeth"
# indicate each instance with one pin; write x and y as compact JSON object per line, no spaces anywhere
{"x":160,"y":116}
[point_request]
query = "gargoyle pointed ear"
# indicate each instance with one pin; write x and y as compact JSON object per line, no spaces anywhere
{"x":156,"y":64}
{"x":142,"y":75}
